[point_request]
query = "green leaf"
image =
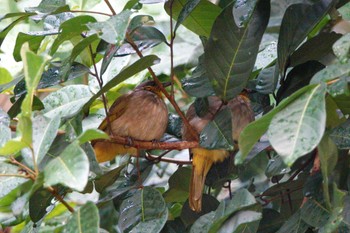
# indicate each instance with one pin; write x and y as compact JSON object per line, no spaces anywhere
{"x":86,"y":219}
{"x":12,"y":146}
{"x":314,"y":214}
{"x":253,"y":131}
{"x":6,"y":30}
{"x":308,"y":51}
{"x":34,"y":42}
{"x":186,"y":11}
{"x":297,"y":23}
{"x":4,"y":127}
{"x":331,"y":72}
{"x":276,"y":167}
{"x":343,"y":102}
{"x":66,"y":102}
{"x":101,"y":183}
{"x":302,"y":122}
{"x":113,"y":30}
{"x":71,"y":28}
{"x":144,"y":211}
{"x":91,"y":134}
{"x":245,"y":221}
{"x":266,"y":81}
{"x":140,"y":20}
{"x":129,"y":71}
{"x":47,"y":6}
{"x":328,"y":154}
{"x":6,"y":77}
{"x":217,"y":134}
{"x":70,"y":169}
{"x":341,"y":48}
{"x":231,"y":51}
{"x":39,"y":202}
{"x":295,"y":224}
{"x":341,"y":135}
{"x":178,"y":185}
{"x":200,"y":20}
{"x":9,"y":183}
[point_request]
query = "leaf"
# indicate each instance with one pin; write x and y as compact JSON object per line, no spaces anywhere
{"x":9,"y":183}
{"x":266,"y":81}
{"x":101,"y":183}
{"x":66,"y":102}
{"x":178,"y":186}
{"x":217,"y":134}
{"x":113,"y":30}
{"x":70,"y":169}
{"x":231,"y":50}
{"x":271,"y":221}
{"x":39,"y":202}
{"x":129,"y":71}
{"x":86,"y":219}
{"x":341,"y":48}
{"x":276,"y":167}
{"x":341,"y":135}
{"x":4,"y":127}
{"x":47,"y":6}
{"x":343,"y":102}
{"x":199,"y":84}
{"x":295,"y":224}
{"x":308,"y":51}
{"x":71,"y":28}
{"x":314,"y":214}
{"x":253,"y":131}
{"x":140,"y":20}
{"x":186,"y":11}
{"x":144,"y":211}
{"x":199,"y":20}
{"x":34,"y":42}
{"x":297,"y":23}
{"x":90,"y":135}
{"x":266,"y":56}
{"x":298,"y":128}
{"x":331,"y":72}
{"x":202,"y":225}
{"x":245,"y":221}
{"x":44,"y":132}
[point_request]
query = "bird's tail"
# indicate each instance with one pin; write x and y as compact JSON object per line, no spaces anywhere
{"x":106,"y":151}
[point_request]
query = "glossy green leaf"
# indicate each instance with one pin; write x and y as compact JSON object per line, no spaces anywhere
{"x":44,"y":132}
{"x":266,"y":56}
{"x":39,"y":203}
{"x":70,"y":169}
{"x":47,"y":6}
{"x":271,"y":221}
{"x":297,"y":23}
{"x":101,"y":183}
{"x":92,"y":134}
{"x":143,"y":211}
{"x":253,"y":131}
{"x":295,"y":224}
{"x":328,"y":154}
{"x":126,"y":73}
{"x":174,"y":125}
{"x":86,"y":219}
{"x":6,"y":77}
{"x":7,"y":29}
{"x":298,"y":128}
{"x":217,"y":134}
{"x":245,"y":221}
{"x":186,"y":11}
{"x":140,"y":20}
{"x":202,"y":225}
{"x":266,"y":81}
{"x":341,"y":48}
{"x":331,"y":72}
{"x":178,"y":186}
{"x":71,"y":28}
{"x":67,"y":101}
{"x":231,"y":50}
{"x":343,"y":102}
{"x":308,"y":51}
{"x":113,"y":30}
{"x":198,"y":85}
{"x":34,"y":42}
{"x":8,"y":183}
{"x":314,"y":213}
{"x":341,"y":135}
{"x":340,"y":87}
{"x":297,"y":78}
{"x":200,"y":20}
{"x":276,"y":167}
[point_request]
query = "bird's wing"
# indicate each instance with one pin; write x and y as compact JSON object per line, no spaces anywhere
{"x":116,"y":110}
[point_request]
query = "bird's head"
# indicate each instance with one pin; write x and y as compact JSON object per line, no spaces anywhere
{"x":152,"y":87}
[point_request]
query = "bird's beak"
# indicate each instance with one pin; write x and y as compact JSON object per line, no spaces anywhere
{"x":166,"y":84}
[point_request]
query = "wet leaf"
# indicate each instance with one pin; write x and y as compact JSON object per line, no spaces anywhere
{"x":33,"y":40}
{"x":178,"y":186}
{"x":86,"y":219}
{"x":341,"y":48}
{"x":341,"y":135}
{"x":9,"y":183}
{"x":295,"y":224}
{"x":331,"y":72}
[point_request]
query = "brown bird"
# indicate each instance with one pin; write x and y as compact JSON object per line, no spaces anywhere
{"x":203,"y":159}
{"x":140,"y":115}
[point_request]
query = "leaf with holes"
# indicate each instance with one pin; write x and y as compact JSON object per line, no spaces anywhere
{"x":233,"y":45}
{"x":298,"y":128}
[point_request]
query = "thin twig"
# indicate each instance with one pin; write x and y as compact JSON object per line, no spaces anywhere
{"x":110,"y":7}
{"x":21,"y":165}
{"x":60,"y":199}
{"x":171,"y":44}
{"x":171,"y":100}
{"x":14,"y":175}
{"x":90,"y":12}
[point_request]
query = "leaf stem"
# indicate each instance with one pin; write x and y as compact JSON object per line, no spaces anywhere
{"x":171,"y":44}
{"x":110,"y":7}
{"x":60,"y":199}
{"x":90,"y":12}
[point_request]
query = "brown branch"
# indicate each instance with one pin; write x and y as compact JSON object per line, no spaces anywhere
{"x":14,"y":129}
{"x":110,"y":7}
{"x":90,"y":12}
{"x":193,"y":133}
{"x":167,"y":160}
{"x":60,"y":199}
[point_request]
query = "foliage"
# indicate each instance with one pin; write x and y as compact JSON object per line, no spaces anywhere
{"x":290,"y":58}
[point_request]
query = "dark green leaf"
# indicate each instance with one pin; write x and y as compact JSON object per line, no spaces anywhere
{"x":271,"y":221}
{"x":107,"y":179}
{"x":341,"y":135}
{"x":144,"y":211}
{"x":33,"y":40}
{"x":201,"y":18}
{"x":297,"y":78}
{"x":113,"y":30}
{"x":252,"y":132}
{"x":231,"y":51}
{"x":295,"y":224}
{"x":267,"y":80}
{"x":341,"y":48}
{"x":314,"y":214}
{"x":276,"y":167}
{"x":202,"y":225}
{"x":297,"y":23}
{"x":308,"y":51}
{"x":245,"y":221}
{"x":178,"y":186}
{"x":70,"y":169}
{"x":302,"y":122}
{"x":85,"y":219}
{"x":343,"y":102}
{"x":92,"y":134}
{"x":331,"y":72}
{"x":217,"y":134}
{"x":39,"y":203}
{"x":140,"y":20}
{"x":174,"y":125}
{"x":129,"y":71}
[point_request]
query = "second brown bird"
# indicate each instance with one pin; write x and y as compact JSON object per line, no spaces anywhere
{"x":203,"y":159}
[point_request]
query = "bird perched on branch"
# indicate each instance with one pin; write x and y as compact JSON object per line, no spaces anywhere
{"x":203,"y":159}
{"x":140,"y":115}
